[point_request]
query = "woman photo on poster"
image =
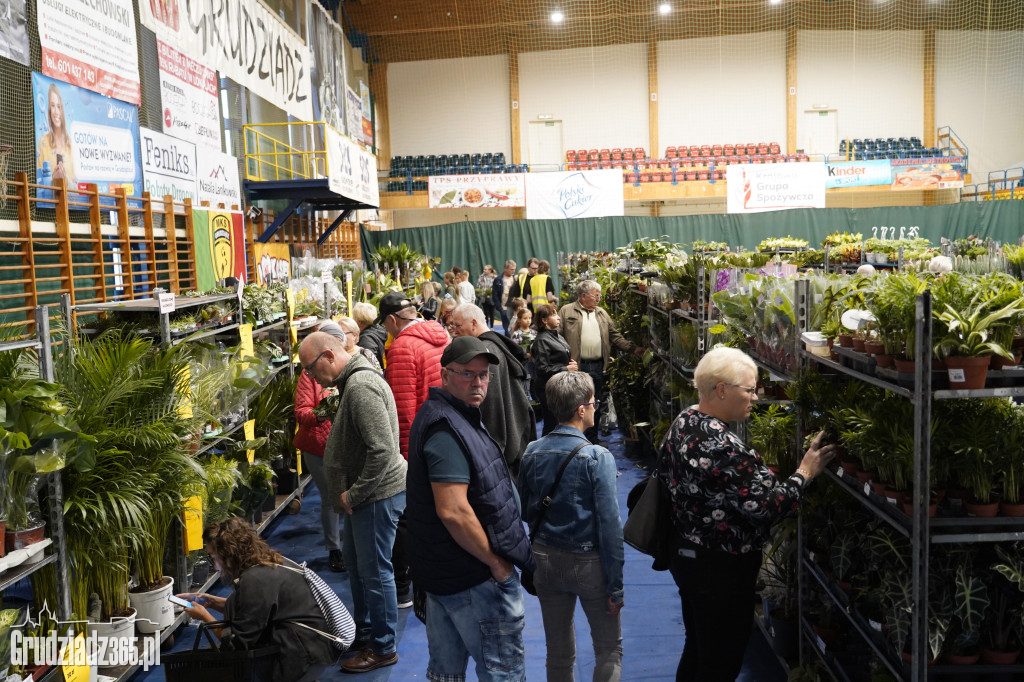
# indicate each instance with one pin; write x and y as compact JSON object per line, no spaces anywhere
{"x":55,"y":146}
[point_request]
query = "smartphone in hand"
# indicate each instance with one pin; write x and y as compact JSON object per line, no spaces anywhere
{"x":179,"y":601}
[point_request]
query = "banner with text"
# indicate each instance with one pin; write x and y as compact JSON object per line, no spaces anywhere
{"x":189,"y":93}
{"x":754,"y":188}
{"x":243,"y":40}
{"x":477,"y":191}
{"x":365,"y":109}
{"x":353,"y":114}
{"x":85,"y":138}
{"x":574,"y":194}
{"x":14,"y":33}
{"x":273,"y":262}
{"x":351,"y":170}
{"x":857,"y":174}
{"x":219,"y":245}
{"x":327,"y":66}
{"x":92,"y":45}
{"x":168,"y":166}
{"x":217,"y":176}
{"x":941,"y":172}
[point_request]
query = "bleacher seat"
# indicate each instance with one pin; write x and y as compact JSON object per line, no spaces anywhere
{"x":616,"y":154}
{"x":774,"y":148}
{"x":627,"y":154}
{"x":570,"y":156}
{"x":605,"y":155}
{"x":593,"y":155}
{"x":762,"y":148}
{"x":670,"y":152}
{"x":728,"y":150}
{"x":486,"y":159}
{"x":639,"y":153}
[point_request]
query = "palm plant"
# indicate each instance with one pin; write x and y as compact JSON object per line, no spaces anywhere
{"x":892,"y":300}
{"x":773,"y":435}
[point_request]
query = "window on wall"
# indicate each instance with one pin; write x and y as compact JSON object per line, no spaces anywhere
{"x":291,"y":12}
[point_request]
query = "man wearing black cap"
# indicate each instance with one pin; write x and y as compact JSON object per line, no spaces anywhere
{"x":465,"y":527}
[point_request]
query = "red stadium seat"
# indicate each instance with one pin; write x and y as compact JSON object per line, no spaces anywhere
{"x":570,"y":155}
{"x":639,"y":152}
{"x":729,"y":150}
{"x":627,"y":154}
{"x":616,"y":154}
{"x":605,"y":155}
{"x":593,"y":155}
{"x":691,"y":175}
{"x":774,"y":147}
{"x":670,"y":152}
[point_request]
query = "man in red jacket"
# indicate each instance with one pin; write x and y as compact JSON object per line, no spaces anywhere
{"x":413,"y":366}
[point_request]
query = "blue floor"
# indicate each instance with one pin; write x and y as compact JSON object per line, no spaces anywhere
{"x":652,"y":629}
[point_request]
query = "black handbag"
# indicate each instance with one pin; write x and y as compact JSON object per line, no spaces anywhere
{"x":219,"y":664}
{"x":648,"y":527}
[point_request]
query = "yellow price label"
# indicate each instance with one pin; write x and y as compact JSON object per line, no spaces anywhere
{"x":289,"y":301}
{"x":185,"y":391}
{"x":249,"y":429}
{"x":73,"y":661}
{"x":193,"y":518}
{"x":245,"y":332}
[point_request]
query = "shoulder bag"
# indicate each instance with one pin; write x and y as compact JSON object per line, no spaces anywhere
{"x":339,"y":620}
{"x":648,"y":527}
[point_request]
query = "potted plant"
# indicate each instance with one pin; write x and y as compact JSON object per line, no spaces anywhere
{"x":773,"y":436}
{"x":1011,"y":464}
{"x":1002,"y":640}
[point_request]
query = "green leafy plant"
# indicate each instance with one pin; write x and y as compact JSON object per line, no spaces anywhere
{"x":773,"y":435}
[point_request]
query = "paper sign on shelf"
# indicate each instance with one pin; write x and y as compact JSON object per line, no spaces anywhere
{"x":249,"y":429}
{"x":166,"y":303}
{"x":246,"y":348}
{"x":193,"y":518}
{"x":326,"y":277}
{"x":70,"y":656}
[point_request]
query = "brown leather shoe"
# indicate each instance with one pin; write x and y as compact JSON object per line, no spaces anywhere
{"x":366,"y":660}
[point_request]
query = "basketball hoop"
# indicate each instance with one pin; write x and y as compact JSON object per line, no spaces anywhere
{"x":5,"y":153}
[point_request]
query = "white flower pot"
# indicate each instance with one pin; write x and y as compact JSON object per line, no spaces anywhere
{"x":155,"y":612}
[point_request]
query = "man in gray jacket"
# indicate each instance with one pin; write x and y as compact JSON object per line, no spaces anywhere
{"x":365,"y":475}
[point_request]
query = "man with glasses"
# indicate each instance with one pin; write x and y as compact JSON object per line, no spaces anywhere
{"x":365,"y":476}
{"x":466,"y":534}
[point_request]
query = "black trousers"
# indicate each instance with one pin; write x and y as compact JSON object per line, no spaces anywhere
{"x":595,"y":368}
{"x":717,"y":591}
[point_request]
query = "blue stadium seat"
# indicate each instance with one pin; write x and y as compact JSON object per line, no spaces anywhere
{"x":486,"y":159}
{"x":474,"y":159}
{"x":499,"y":158}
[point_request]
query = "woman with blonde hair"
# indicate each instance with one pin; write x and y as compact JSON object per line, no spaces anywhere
{"x":55,"y":146}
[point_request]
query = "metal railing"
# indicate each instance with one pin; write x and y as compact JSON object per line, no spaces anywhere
{"x":285,"y":151}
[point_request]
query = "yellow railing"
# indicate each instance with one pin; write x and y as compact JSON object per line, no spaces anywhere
{"x":276,"y":151}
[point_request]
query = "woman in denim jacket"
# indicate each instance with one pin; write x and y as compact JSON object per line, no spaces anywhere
{"x":578,"y":544}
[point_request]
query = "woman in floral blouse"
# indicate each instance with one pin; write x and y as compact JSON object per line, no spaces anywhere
{"x":724,"y":502}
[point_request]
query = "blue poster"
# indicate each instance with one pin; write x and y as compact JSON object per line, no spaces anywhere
{"x":84,"y":138}
{"x":857,"y":173}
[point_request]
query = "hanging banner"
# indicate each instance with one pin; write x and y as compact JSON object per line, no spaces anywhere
{"x":84,"y":138}
{"x":754,"y":188}
{"x":273,"y":262}
{"x":189,"y":92}
{"x":219,"y":246}
{"x":327,"y":66}
{"x":941,"y":172}
{"x":364,"y":108}
{"x":351,"y":170}
{"x":857,"y":174}
{"x":218,"y":178}
{"x":477,"y":191}
{"x":243,"y":40}
{"x":92,"y":45}
{"x":574,"y":194}
{"x":353,"y":114}
{"x":168,"y":166}
{"x":13,"y":32}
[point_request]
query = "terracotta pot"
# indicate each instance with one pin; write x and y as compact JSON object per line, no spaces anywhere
{"x":850,"y":466}
{"x":963,"y":659}
{"x":987,"y":510}
{"x":893,"y":494}
{"x":904,"y":366}
{"x":874,"y":347}
{"x":866,"y":476}
{"x":845,"y":340}
{"x":1010,"y":509}
{"x":908,"y":508}
{"x":999,"y":362}
{"x":858,"y":344}
{"x":878,"y":487}
{"x":972,"y":370}
{"x":883,"y":360}
{"x":1018,"y":344}
{"x":19,"y":539}
{"x":999,"y":657}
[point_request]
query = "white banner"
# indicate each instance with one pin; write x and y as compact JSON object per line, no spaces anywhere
{"x":243,"y":40}
{"x":189,"y":94}
{"x":92,"y":45}
{"x":477,"y":191}
{"x":755,"y":188}
{"x":218,"y":178}
{"x":168,"y":165}
{"x":353,"y":114}
{"x":574,"y":194}
{"x":351,"y":170}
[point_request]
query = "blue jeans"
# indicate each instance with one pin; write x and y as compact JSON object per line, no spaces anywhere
{"x":368,"y":536}
{"x":485,"y":622}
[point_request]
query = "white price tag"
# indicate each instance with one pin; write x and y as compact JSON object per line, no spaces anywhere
{"x":820,"y":641}
{"x":166,"y":303}
{"x":348,"y":275}
{"x":839,"y":472}
{"x":867,"y":488}
{"x":956,"y":375}
{"x":326,"y":277}
{"x":892,"y":500}
{"x":875,"y":625}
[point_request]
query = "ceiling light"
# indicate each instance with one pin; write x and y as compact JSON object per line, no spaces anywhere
{"x":665,"y":8}
{"x":557,"y":17}
{"x":775,"y":2}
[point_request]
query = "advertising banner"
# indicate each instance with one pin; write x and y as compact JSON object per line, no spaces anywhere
{"x":351,"y":170}
{"x":857,"y":174}
{"x":85,"y":138}
{"x":941,"y":172}
{"x":574,"y":194}
{"x":243,"y":40}
{"x":353,"y":114}
{"x":327,"y":67}
{"x":189,"y":93}
{"x":273,"y":262}
{"x":477,"y":191}
{"x":168,"y":166}
{"x":220,"y":246}
{"x":365,"y":108}
{"x":754,"y":188}
{"x":91,"y":45}
{"x":218,"y":178}
{"x":14,"y":32}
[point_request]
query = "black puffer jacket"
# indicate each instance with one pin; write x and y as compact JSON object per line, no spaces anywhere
{"x":551,"y":355}
{"x":373,"y":339}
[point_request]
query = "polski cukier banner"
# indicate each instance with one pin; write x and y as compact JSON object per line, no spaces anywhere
{"x":85,"y":138}
{"x":351,"y":170}
{"x":92,"y":45}
{"x":218,"y":178}
{"x":477,"y":191}
{"x":168,"y":166}
{"x":574,"y":194}
{"x":755,"y":188}
{"x":243,"y":40}
{"x":219,"y":245}
{"x":189,"y":92}
{"x":14,"y":32}
{"x":941,"y":172}
{"x":273,"y":262}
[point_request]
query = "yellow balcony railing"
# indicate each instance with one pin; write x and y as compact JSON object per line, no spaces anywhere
{"x":278,"y":151}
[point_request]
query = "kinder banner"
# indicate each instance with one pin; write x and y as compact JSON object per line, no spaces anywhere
{"x":243,"y":40}
{"x":574,"y":194}
{"x":219,"y":246}
{"x":273,"y":262}
{"x":189,"y":93}
{"x":857,"y":174}
{"x":85,"y":138}
{"x":477,"y":191}
{"x":218,"y":178}
{"x":351,"y":170}
{"x":91,"y":44}
{"x":168,"y":166}
{"x":754,"y":188}
{"x":14,"y":32}
{"x":942,"y":172}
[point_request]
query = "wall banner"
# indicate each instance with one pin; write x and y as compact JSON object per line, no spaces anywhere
{"x":367,"y":123}
{"x":189,"y":93}
{"x":273,"y":262}
{"x":243,"y":40}
{"x":941,"y":172}
{"x":754,"y":188}
{"x":217,"y":176}
{"x":351,"y":170}
{"x":857,"y":173}
{"x":353,"y":114}
{"x":92,"y":45}
{"x":168,"y":166}
{"x":327,"y":66}
{"x":84,"y":138}
{"x":219,"y":245}
{"x":14,"y":32}
{"x":574,"y":194}
{"x":477,"y":191}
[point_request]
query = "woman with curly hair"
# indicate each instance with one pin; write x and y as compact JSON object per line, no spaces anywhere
{"x":272,"y":605}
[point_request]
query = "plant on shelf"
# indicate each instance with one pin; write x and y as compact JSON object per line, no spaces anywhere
{"x":627,"y":381}
{"x":773,"y":436}
{"x":1011,"y":462}
{"x":972,"y":446}
{"x":970,"y":329}
{"x":787,"y":243}
{"x":1004,"y":628}
{"x":1014,"y":255}
{"x":222,"y":477}
{"x":892,"y":300}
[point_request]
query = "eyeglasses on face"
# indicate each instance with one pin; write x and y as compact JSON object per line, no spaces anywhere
{"x":595,"y":403}
{"x":752,"y":390}
{"x":308,"y":369}
{"x":466,"y":374}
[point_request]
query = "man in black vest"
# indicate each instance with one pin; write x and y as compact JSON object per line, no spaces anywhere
{"x":465,"y":530}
